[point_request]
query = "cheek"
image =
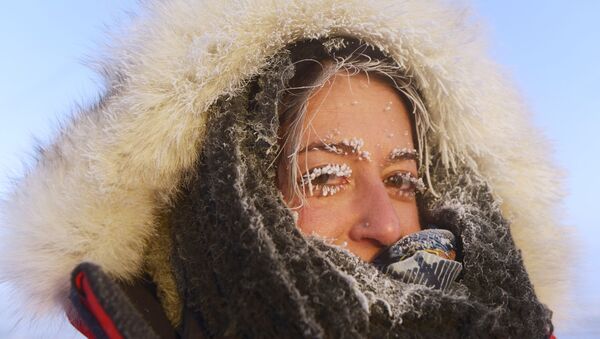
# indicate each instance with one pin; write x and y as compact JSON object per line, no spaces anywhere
{"x":410,"y":216}
{"x":325,"y":221}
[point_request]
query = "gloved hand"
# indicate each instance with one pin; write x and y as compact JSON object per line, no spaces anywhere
{"x":425,"y":257}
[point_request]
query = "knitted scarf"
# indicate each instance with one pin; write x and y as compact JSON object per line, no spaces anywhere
{"x":244,"y":270}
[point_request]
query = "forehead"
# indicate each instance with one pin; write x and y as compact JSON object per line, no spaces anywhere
{"x":358,"y":106}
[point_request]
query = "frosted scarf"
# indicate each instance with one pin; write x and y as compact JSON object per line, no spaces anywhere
{"x":244,"y":270}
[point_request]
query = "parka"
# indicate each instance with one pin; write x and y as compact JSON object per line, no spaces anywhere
{"x":154,"y":211}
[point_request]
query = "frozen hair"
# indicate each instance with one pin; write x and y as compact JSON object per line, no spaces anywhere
{"x":312,"y":74}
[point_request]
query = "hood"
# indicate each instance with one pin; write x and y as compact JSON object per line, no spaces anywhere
{"x":98,"y":193}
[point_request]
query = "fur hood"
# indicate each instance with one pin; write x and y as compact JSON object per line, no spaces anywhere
{"x":97,"y":192}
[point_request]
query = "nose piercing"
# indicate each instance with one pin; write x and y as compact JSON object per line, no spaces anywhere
{"x":365,"y":225}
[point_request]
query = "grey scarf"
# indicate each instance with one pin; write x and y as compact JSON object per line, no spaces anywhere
{"x":244,"y":270}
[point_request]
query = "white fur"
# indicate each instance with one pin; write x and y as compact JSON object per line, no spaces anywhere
{"x":93,"y":193}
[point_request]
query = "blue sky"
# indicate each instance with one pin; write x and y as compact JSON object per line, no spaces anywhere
{"x":549,"y":49}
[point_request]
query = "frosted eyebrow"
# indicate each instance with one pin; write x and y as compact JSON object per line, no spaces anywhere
{"x":337,"y":148}
{"x":399,"y":154}
{"x":348,"y":146}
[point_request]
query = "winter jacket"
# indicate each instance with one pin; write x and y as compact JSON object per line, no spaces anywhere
{"x":154,"y":212}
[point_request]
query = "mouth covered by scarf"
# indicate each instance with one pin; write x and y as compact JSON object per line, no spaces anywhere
{"x":243,"y":269}
{"x":425,"y":257}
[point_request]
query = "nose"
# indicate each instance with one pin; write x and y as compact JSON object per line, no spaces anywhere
{"x":379,"y":220}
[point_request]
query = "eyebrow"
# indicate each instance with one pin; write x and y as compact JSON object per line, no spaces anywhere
{"x":327,"y":147}
{"x":396,"y":155}
{"x":400,"y":154}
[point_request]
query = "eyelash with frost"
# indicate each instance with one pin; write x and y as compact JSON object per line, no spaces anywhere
{"x":338,"y":170}
{"x":418,"y":182}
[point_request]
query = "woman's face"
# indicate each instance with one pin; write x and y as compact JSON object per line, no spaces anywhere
{"x":357,"y":166}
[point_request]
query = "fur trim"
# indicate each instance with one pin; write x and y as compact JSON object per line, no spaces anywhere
{"x":94,"y":194}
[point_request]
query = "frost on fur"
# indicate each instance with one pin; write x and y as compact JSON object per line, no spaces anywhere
{"x":120,"y":161}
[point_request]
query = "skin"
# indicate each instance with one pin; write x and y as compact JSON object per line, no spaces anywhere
{"x":367,"y":214}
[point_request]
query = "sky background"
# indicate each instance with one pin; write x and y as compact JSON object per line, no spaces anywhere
{"x":550,"y":49}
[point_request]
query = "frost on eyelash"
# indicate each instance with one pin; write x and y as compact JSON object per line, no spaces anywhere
{"x":330,"y":190}
{"x":342,"y":170}
{"x":418,"y":182}
{"x":400,"y":152}
{"x":338,"y":170}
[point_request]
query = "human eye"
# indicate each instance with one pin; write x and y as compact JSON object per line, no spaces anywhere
{"x":326,"y":180}
{"x":404,"y":184}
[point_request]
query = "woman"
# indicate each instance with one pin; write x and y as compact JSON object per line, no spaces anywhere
{"x":343,"y":127}
{"x":198,"y":197}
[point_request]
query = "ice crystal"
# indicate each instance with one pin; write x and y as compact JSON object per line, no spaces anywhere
{"x":398,"y":152}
